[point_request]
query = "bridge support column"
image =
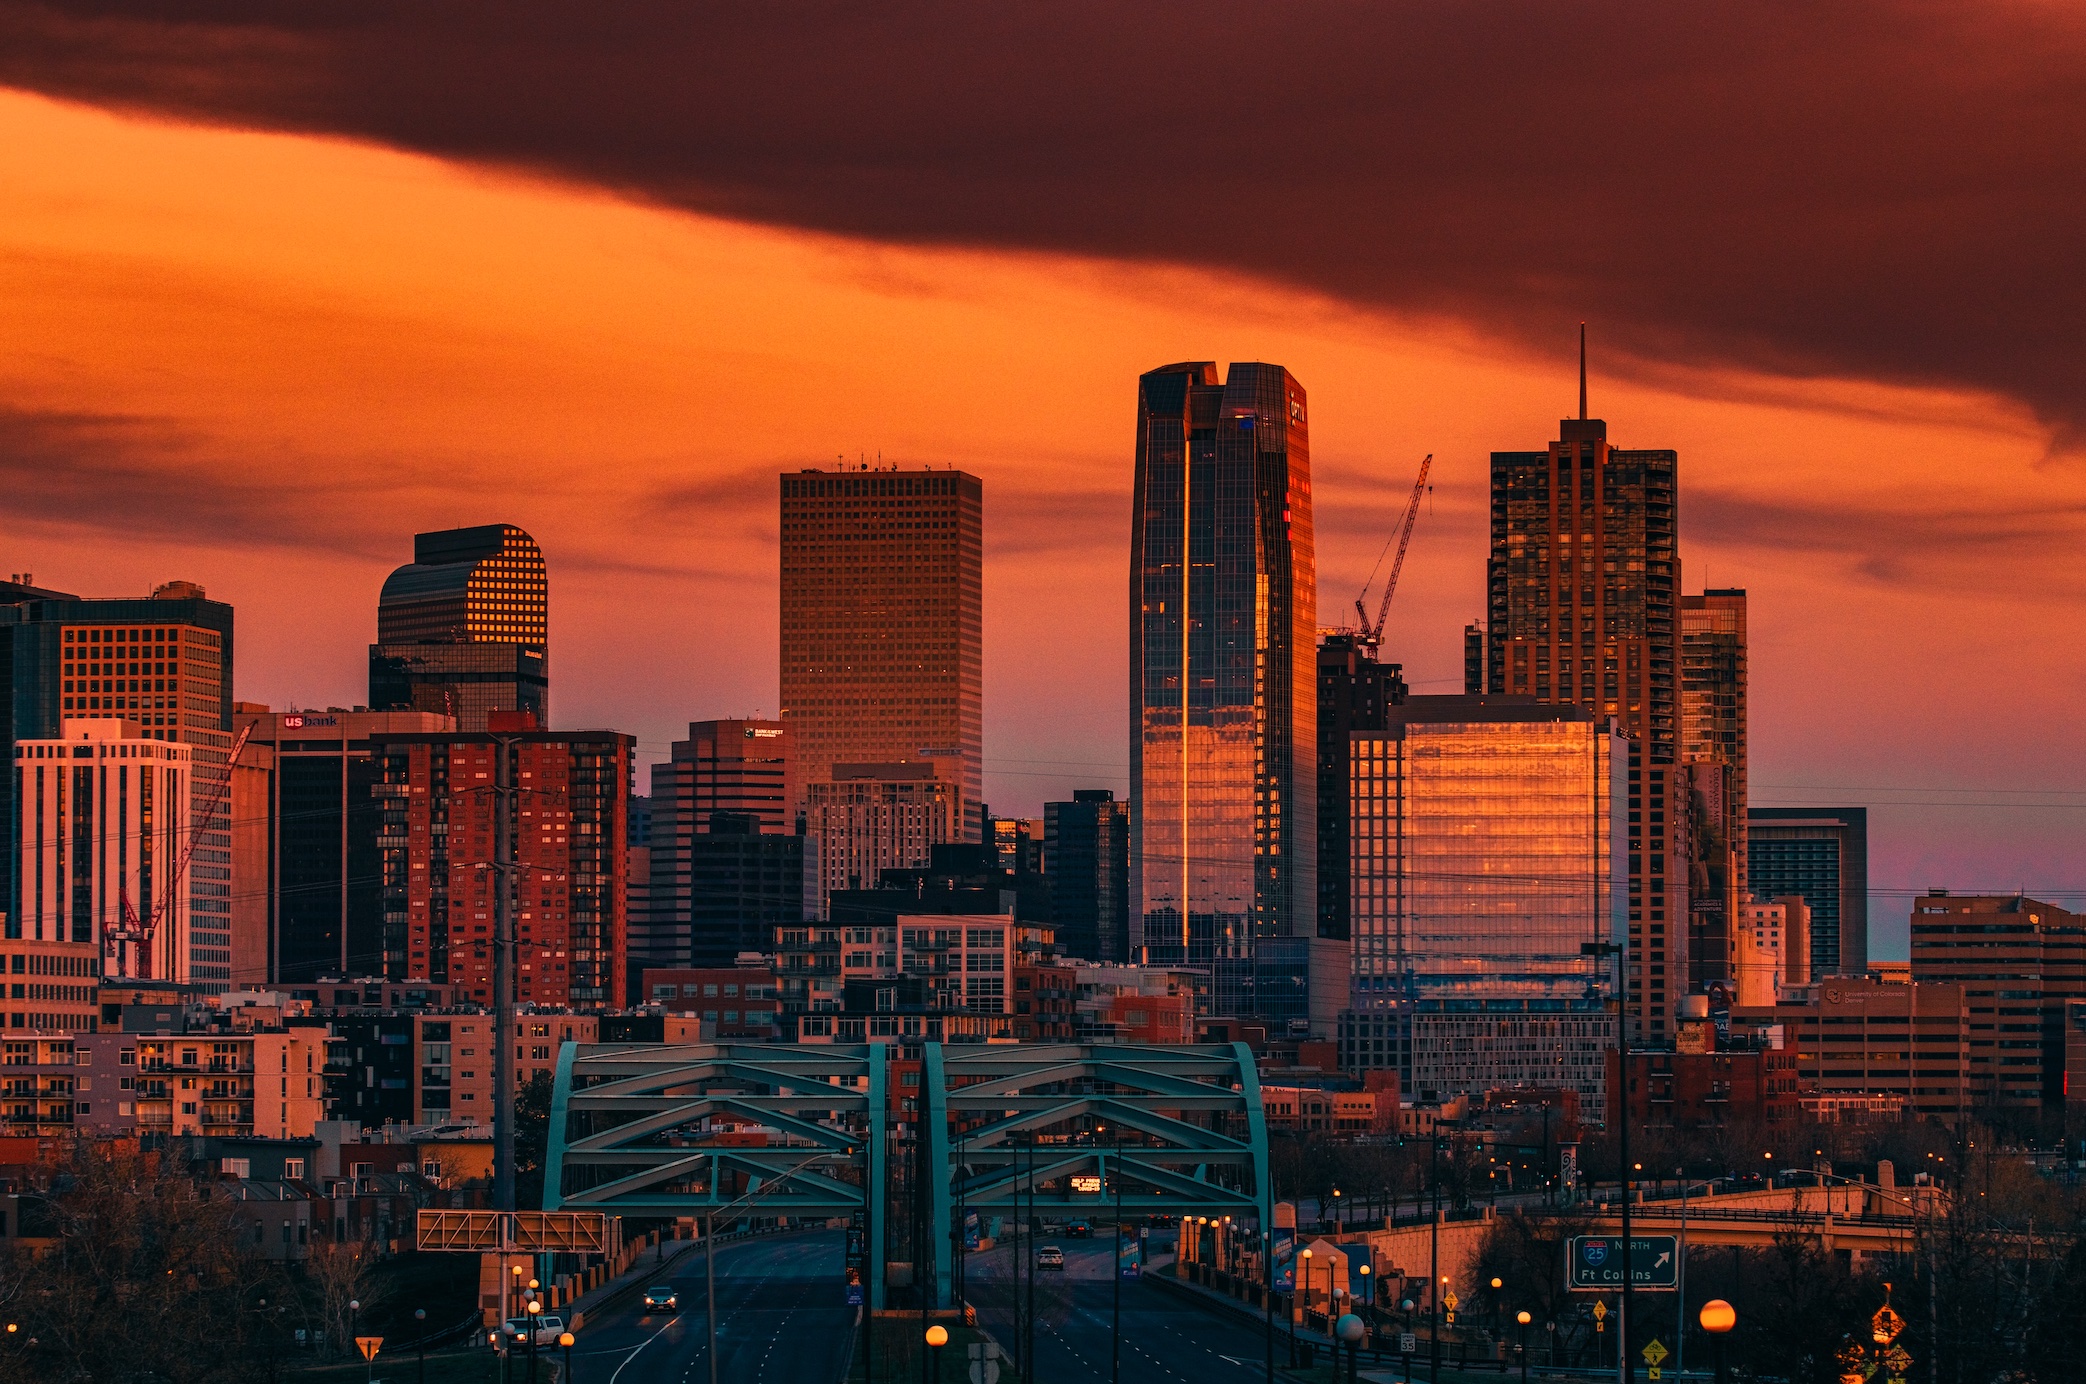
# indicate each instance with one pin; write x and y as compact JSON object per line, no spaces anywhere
{"x":875,"y":1205}
{"x":934,"y":1128}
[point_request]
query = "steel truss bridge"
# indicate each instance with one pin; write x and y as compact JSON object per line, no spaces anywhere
{"x":642,"y":1130}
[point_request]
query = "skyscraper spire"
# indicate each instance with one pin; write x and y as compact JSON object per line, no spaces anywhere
{"x":1582,"y":371}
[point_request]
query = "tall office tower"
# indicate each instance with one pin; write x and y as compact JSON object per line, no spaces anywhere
{"x":104,"y":814}
{"x":637,"y":888}
{"x":728,"y":778}
{"x":740,"y":884}
{"x":1354,"y":693}
{"x":864,"y":819}
{"x":2038,"y":952}
{"x":464,"y":629}
{"x":1484,"y":834}
{"x":1584,"y":583}
{"x":882,"y":625}
{"x":320,"y":885}
{"x":1713,"y":746}
{"x":1820,"y":854}
{"x":1086,"y":848}
{"x":163,"y":663}
{"x":1223,"y":735}
{"x":570,"y":822}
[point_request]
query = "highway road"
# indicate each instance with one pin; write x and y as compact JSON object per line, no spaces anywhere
{"x":781,"y":1315}
{"x":1165,"y":1338}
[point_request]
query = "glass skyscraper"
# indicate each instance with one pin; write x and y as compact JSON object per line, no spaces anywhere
{"x":464,"y":629}
{"x":1223,"y":629}
{"x":1487,"y":845}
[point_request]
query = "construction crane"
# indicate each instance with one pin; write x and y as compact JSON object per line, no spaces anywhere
{"x":1371,"y":632}
{"x":131,"y":928}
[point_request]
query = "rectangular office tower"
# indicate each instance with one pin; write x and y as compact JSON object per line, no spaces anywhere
{"x":1487,"y":847}
{"x":882,"y":625}
{"x":104,"y":813}
{"x":570,"y":816}
{"x":315,"y":870}
{"x":162,"y":663}
{"x":1223,"y":633}
{"x":1822,"y":855}
{"x":726,"y":864}
{"x":464,"y":629}
{"x":1583,"y":603}
{"x":1086,"y":852}
{"x":1355,"y":693}
{"x":1713,"y":746}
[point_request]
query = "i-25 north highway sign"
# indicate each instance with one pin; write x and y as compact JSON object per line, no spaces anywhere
{"x":1593,"y":1263}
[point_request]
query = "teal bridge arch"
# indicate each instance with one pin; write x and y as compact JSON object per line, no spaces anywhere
{"x":733,"y":1130}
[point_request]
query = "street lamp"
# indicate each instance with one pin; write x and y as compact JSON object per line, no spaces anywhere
{"x":1338,"y":1220}
{"x":1349,"y":1332}
{"x":534,"y":1306}
{"x":1304,"y":1275}
{"x":1717,"y":1319}
{"x":565,"y":1341}
{"x":1524,"y":1319}
{"x":937,"y":1337}
{"x":1368,"y":1289}
{"x":420,"y":1324}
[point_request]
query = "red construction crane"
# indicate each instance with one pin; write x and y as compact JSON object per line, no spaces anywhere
{"x":1372,"y":631}
{"x":130,"y":928}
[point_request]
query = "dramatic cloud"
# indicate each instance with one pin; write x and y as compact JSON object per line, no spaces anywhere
{"x":1871,"y":190}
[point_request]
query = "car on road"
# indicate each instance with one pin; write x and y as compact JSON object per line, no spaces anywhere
{"x":1050,"y":1257}
{"x":1079,"y":1230}
{"x":662,"y":1299}
{"x":548,"y":1329}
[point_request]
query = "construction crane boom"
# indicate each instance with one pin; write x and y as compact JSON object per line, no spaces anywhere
{"x":1372,"y":631}
{"x":140,"y":932}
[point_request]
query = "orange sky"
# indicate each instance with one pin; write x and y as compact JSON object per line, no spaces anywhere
{"x":263,"y":361}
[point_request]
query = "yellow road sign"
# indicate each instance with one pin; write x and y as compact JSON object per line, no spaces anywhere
{"x":1600,"y":1311}
{"x":1651,"y":1372}
{"x":1655,"y":1352}
{"x":369,"y":1345}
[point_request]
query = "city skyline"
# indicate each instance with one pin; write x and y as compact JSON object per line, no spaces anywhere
{"x":531,"y":345}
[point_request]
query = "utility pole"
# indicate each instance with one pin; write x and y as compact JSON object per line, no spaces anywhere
{"x":1626,"y":1370}
{"x":503,"y":976}
{"x":1434,"y":1265}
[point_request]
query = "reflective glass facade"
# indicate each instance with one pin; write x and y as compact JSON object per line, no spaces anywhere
{"x":464,"y":629}
{"x":1487,"y":838}
{"x":1223,"y":626}
{"x":1713,"y":745}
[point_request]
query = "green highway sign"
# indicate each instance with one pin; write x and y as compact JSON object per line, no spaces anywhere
{"x":1593,"y":1263}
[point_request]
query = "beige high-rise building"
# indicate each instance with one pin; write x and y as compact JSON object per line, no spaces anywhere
{"x":1713,"y":747}
{"x":882,"y":620}
{"x":105,"y":828}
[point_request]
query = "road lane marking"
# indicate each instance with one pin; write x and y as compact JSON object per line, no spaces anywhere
{"x":640,"y":1346}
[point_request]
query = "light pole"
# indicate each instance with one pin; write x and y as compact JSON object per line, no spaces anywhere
{"x":1339,"y":1220}
{"x":565,"y":1343}
{"x":1680,"y":1346}
{"x":1348,"y":1331}
{"x":1523,"y":1319}
{"x":1368,"y":1291}
{"x":937,"y":1337}
{"x":1495,"y":1302}
{"x":1304,"y":1281}
{"x":535,"y":1308}
{"x":1115,"y":1328}
{"x":1717,"y":1319}
{"x":420,"y":1325}
{"x":1599,"y":950}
